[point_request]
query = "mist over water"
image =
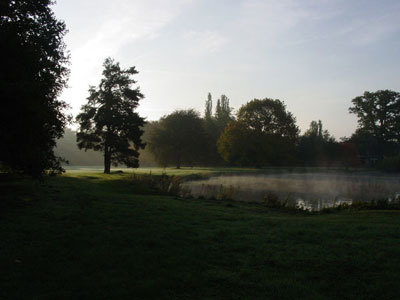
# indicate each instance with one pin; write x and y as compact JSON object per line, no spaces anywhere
{"x":310,"y":191}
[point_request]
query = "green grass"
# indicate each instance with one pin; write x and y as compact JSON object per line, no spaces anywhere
{"x":184,"y":171}
{"x":76,"y":170}
{"x":94,"y":236}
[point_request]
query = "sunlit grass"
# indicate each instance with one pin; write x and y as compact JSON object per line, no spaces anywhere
{"x":157,"y":171}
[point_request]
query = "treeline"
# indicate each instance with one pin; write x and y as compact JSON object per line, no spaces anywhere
{"x":264,"y":133}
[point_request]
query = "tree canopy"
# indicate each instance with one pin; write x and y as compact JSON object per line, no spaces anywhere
{"x":178,"y":139}
{"x":108,"y":121}
{"x":379,"y":114}
{"x":264,"y":134}
{"x":270,"y":117}
{"x":378,"y":132}
{"x":32,"y":75}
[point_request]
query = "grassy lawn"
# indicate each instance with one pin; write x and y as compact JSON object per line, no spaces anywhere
{"x":86,"y":235}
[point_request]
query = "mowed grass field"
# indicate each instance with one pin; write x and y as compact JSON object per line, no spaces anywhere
{"x":85,"y":235}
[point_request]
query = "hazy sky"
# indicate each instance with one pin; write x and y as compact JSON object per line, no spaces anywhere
{"x":316,"y":55}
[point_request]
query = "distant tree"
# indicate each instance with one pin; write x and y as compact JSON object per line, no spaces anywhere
{"x":368,"y":146}
{"x":238,"y":145}
{"x":33,"y":73}
{"x":214,"y":125}
{"x":108,"y":121}
{"x":317,"y":146}
{"x":178,"y":139}
{"x":264,"y":134}
{"x":211,"y":156}
{"x":316,"y":130}
{"x":379,"y":116}
{"x":208,"y":109}
{"x":147,"y":158}
{"x":223,"y":113}
{"x":270,"y":117}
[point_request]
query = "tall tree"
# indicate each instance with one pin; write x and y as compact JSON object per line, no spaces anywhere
{"x":211,"y":134}
{"x":33,"y":73}
{"x":214,"y":126}
{"x":178,"y":139}
{"x":379,"y":115}
{"x":108,"y":121}
{"x":223,"y":113}
{"x":208,"y":109}
{"x":316,"y":130}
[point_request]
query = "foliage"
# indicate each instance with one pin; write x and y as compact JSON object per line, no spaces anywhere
{"x":316,"y":130}
{"x":238,"y":145}
{"x":317,"y":146}
{"x":214,"y":125}
{"x":208,"y":108}
{"x":370,"y":148}
{"x":223,"y":113}
{"x":269,"y":117}
{"x":211,"y":156}
{"x":264,"y":134}
{"x":379,"y":116}
{"x":108,"y":122}
{"x":178,"y":139}
{"x":32,"y":75}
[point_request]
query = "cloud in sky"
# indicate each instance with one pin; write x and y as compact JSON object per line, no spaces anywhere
{"x":206,"y":42}
{"x":315,"y":55}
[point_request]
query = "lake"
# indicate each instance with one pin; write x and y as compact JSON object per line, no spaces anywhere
{"x":309,"y":191}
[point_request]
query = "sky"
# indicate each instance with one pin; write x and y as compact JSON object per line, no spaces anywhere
{"x":315,"y":55}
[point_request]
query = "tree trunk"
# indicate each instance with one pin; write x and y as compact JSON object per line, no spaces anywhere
{"x":107,"y":160}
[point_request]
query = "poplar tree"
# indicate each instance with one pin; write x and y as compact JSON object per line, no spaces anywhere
{"x":208,"y":109}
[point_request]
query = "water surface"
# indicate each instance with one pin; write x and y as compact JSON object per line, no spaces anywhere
{"x":311,"y":191}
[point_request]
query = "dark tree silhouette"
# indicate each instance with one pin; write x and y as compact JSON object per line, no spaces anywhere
{"x":270,"y":117}
{"x":33,"y":73}
{"x":318,"y":147}
{"x":108,"y":122}
{"x":178,"y":139}
{"x":264,"y":134}
{"x":379,"y":115}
